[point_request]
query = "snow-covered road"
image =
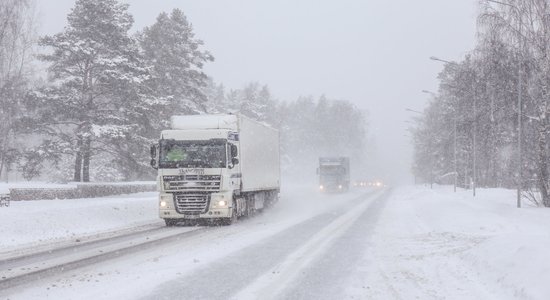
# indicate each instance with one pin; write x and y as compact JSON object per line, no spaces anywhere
{"x":411,"y":242}
{"x":218,"y":262}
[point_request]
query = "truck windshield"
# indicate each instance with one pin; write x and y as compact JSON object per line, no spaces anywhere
{"x":331,"y":170}
{"x":192,"y":154}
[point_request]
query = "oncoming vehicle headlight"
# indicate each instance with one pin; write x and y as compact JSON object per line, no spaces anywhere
{"x":340,"y":186}
{"x":163,"y":203}
{"x":321,"y":187}
{"x":222,"y":203}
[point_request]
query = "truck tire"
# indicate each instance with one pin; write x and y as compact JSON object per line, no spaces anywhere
{"x":233,"y":218}
{"x":250,"y":207}
{"x":272,"y":198}
{"x":170,"y":222}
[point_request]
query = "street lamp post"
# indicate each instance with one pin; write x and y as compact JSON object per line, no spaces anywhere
{"x":429,"y":92}
{"x":520,"y":91}
{"x":414,"y":111}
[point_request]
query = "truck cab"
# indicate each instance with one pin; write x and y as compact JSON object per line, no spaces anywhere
{"x":199,"y":171}
{"x":333,"y":174}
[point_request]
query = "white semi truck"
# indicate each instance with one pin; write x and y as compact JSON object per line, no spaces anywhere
{"x":215,"y":168}
{"x":333,"y":174}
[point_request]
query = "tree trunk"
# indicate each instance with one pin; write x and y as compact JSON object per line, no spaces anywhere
{"x":3,"y":151}
{"x":1,"y":165}
{"x":543,"y":165}
{"x":78,"y":160}
{"x":86,"y":159}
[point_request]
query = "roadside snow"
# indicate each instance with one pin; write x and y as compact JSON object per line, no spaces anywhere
{"x":5,"y":187}
{"x":26,"y":223}
{"x":289,"y":223}
{"x":419,"y":243}
{"x":435,"y":244}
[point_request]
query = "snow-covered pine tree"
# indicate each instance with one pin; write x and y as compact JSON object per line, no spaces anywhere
{"x":177,"y":59}
{"x":256,"y":102}
{"x":95,"y":93}
{"x":215,"y":95}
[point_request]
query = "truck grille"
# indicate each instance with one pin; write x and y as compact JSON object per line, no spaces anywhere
{"x":206,"y":183}
{"x":191,"y":203}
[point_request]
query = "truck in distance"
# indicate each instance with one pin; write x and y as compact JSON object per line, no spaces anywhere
{"x":215,"y":168}
{"x":334,"y":174}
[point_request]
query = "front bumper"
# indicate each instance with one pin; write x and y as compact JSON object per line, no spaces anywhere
{"x":219,"y":206}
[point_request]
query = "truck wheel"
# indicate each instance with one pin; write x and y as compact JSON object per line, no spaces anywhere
{"x":250,"y":207}
{"x":170,"y":222}
{"x":272,"y":198}
{"x":233,"y":218}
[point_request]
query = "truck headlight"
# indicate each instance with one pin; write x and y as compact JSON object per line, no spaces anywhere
{"x":340,"y":186}
{"x":165,"y":200}
{"x":321,"y":187}
{"x":219,"y":201}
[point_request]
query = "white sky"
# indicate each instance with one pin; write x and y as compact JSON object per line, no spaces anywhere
{"x":372,"y":53}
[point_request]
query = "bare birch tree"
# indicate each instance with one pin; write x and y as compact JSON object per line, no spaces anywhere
{"x":16,"y":40}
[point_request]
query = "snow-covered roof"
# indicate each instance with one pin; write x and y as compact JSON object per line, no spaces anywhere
{"x":331,"y":163}
{"x":220,"y":121}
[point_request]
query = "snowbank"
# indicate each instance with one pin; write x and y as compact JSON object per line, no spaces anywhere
{"x":204,"y":121}
{"x":440,"y":244}
{"x":26,"y":223}
{"x":41,"y":191}
{"x":5,"y":187}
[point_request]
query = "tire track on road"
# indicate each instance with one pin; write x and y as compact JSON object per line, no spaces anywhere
{"x":225,"y":277}
{"x":330,"y":274}
{"x":27,"y":269}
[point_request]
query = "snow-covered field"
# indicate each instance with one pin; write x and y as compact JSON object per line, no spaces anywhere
{"x":411,"y":243}
{"x":440,"y":245}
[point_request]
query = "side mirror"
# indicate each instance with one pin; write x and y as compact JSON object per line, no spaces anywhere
{"x":234,"y":160}
{"x":234,"y":151}
{"x":153,"y":150}
{"x":154,"y":164}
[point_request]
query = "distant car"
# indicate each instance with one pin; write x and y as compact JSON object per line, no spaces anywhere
{"x":361,"y":183}
{"x":377,"y":183}
{"x":367,"y":183}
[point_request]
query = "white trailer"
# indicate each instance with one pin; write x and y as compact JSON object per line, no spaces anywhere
{"x":216,"y":167}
